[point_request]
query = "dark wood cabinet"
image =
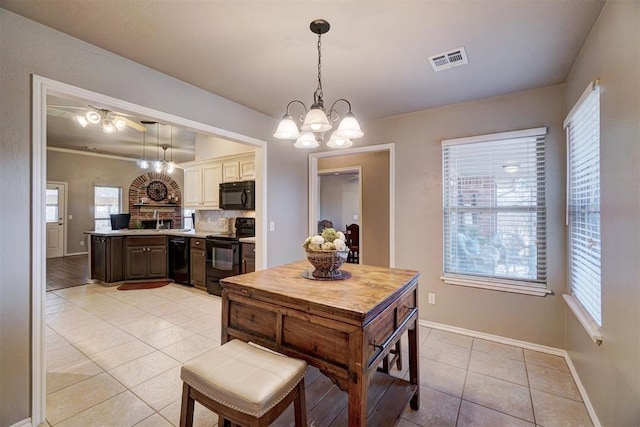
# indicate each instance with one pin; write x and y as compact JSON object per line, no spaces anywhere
{"x":145,"y":257}
{"x":198,"y":266}
{"x":106,"y":258}
{"x":248,"y":251}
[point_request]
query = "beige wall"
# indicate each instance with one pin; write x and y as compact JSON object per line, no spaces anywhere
{"x":418,"y":211}
{"x":374,"y":218}
{"x":339,"y":199}
{"x":81,"y":173}
{"x":28,"y":48}
{"x":611,"y":372}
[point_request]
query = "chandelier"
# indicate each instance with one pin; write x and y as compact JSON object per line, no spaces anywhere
{"x":316,"y":122}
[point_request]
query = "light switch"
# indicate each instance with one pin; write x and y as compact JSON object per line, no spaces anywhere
{"x":272,"y":226}
{"x":70,"y":216}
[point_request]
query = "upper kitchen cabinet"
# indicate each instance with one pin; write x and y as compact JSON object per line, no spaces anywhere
{"x":239,"y":169}
{"x":201,"y":184}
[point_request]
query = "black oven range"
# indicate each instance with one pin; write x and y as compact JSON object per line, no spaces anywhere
{"x":223,"y":253}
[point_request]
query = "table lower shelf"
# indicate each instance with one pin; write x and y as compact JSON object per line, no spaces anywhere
{"x":327,"y":405}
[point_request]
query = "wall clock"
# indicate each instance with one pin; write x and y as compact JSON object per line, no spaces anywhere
{"x":156,"y":191}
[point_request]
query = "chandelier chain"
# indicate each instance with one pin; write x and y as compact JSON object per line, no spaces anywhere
{"x":319,"y":95}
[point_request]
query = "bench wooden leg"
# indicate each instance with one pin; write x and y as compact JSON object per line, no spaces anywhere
{"x":186,"y":412}
{"x":300,"y":406}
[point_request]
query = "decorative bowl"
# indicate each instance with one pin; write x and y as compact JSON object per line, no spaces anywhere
{"x":327,"y":263}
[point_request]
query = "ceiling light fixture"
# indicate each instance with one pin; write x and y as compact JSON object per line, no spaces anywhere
{"x":110,"y":122}
{"x":159,"y":166}
{"x":511,"y":168}
{"x":315,"y":122}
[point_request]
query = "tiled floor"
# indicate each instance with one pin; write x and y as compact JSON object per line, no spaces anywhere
{"x":113,"y":359}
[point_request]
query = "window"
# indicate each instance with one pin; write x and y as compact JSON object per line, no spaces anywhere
{"x":583,"y":206}
{"x":52,"y":204}
{"x":107,"y":201}
{"x":494,"y":211}
{"x":188,"y":219}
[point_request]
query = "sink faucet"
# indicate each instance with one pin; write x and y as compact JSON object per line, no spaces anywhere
{"x":156,"y":216}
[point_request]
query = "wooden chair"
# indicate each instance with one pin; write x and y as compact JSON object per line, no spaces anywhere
{"x":244,"y":384}
{"x":353,"y":243}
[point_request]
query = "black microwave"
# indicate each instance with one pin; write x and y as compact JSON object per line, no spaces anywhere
{"x":238,"y":195}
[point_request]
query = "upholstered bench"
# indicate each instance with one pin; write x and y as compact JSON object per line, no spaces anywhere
{"x":245,"y":384}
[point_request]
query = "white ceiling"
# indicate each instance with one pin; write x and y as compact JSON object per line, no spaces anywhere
{"x":262,"y":54}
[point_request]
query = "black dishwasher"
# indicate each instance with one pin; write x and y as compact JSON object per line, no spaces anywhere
{"x":179,"y":259}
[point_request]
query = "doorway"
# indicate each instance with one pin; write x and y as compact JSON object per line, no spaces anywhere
{"x":43,"y":87}
{"x":340,"y":204}
{"x":55,"y":217}
{"x":377,"y":172}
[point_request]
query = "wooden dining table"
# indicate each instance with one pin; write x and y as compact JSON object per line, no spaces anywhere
{"x":345,"y":327}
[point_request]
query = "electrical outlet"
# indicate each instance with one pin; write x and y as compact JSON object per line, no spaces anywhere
{"x":432,"y":298}
{"x":81,"y":242}
{"x":272,"y":226}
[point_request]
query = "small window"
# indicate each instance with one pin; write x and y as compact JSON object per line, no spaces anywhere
{"x":107,"y":201}
{"x":583,"y":204}
{"x":188,"y":219}
{"x":494,"y":211}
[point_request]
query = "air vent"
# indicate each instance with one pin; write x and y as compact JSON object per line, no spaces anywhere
{"x":453,"y":58}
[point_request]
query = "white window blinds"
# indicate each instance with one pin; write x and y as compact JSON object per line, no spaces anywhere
{"x":494,"y":208}
{"x":583,"y":201}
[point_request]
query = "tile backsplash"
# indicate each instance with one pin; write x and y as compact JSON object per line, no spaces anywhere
{"x":219,"y":221}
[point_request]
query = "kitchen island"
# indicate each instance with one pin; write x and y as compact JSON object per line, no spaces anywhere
{"x":119,"y":255}
{"x":345,"y":328}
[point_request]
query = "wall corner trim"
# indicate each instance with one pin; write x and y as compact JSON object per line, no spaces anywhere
{"x":529,"y":346}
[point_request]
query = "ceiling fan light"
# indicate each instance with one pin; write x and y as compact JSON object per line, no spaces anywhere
{"x":306,"y":140}
{"x":287,"y":129}
{"x":119,"y":123}
{"x":108,"y":127}
{"x":349,"y":127}
{"x":144,"y":164}
{"x":337,"y":141}
{"x":92,"y":116}
{"x":316,"y":121}
{"x":82,"y":120}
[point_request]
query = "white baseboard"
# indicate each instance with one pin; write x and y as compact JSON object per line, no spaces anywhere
{"x":23,"y":423}
{"x":529,"y":346}
{"x":76,"y":253}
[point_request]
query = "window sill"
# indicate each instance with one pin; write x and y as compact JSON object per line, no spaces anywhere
{"x":538,"y":291}
{"x":584,"y":318}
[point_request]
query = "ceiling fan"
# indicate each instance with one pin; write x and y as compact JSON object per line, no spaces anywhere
{"x":111,"y":121}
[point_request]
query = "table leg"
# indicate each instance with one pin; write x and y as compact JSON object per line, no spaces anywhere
{"x":414,"y":362}
{"x":358,"y":390}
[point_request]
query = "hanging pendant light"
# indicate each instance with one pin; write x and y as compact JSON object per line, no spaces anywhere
{"x":157,"y":165}
{"x":144,"y":164}
{"x":316,"y":121}
{"x":171,"y":166}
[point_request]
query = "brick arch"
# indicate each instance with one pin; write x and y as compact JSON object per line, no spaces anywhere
{"x":138,"y":190}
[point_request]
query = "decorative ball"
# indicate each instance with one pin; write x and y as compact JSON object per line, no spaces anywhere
{"x":326,"y":263}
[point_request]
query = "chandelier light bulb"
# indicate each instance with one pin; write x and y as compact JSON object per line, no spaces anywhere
{"x":82,"y":120}
{"x":349,"y":127}
{"x":287,"y":128}
{"x":316,"y":121}
{"x":171,"y":167}
{"x":306,"y":140}
{"x":93,"y":117}
{"x":119,"y":123}
{"x":108,"y":127}
{"x":337,"y":141}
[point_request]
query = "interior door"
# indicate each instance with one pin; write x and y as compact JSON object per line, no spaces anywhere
{"x":55,"y":215}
